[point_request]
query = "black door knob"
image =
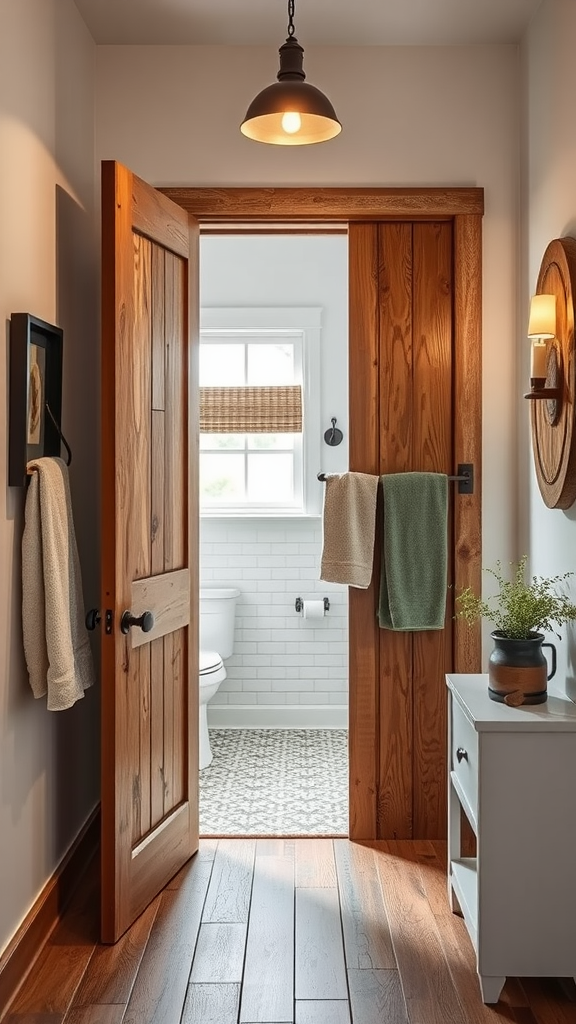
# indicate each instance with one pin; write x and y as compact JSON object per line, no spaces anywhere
{"x":93,"y":618}
{"x":145,"y":621}
{"x":461,"y":754}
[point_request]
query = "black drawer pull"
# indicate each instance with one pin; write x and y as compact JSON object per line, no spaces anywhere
{"x":461,"y":754}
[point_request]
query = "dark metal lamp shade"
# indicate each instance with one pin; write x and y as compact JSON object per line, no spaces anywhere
{"x":290,"y":112}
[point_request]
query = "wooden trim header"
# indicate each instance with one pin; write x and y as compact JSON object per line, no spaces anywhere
{"x":325,"y":204}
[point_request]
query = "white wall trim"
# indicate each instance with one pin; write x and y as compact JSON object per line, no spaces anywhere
{"x":278,"y":716}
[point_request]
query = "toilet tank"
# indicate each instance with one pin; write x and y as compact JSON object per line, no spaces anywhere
{"x":217,"y":616}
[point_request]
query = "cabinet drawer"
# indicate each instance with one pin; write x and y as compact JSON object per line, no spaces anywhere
{"x":465,"y":756}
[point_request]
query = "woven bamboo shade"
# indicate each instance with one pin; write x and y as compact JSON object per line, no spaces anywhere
{"x":248,"y":410}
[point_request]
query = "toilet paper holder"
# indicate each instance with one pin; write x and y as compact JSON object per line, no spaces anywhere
{"x":299,"y":604}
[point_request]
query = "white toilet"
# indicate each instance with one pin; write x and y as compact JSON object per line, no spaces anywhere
{"x":217,"y":615}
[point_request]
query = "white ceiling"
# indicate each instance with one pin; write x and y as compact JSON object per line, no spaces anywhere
{"x":318,"y":22}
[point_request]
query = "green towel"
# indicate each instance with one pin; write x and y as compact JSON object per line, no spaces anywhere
{"x":414,"y":556}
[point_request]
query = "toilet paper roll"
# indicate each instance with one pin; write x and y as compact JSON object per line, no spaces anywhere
{"x":313,"y":610}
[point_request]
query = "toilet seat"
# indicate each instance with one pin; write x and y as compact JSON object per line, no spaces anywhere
{"x":211,"y":668}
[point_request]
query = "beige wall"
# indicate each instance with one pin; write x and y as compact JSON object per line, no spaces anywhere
{"x":549,"y":211}
{"x":411,"y":116}
{"x":48,"y":762}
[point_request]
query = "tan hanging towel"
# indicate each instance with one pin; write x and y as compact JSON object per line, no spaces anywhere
{"x":56,"y":645}
{"x":348,"y":525}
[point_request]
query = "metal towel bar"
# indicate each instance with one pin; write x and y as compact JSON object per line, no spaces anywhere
{"x":464,"y":478}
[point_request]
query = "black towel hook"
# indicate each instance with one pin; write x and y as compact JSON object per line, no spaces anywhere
{"x":333,"y":436}
{"x":60,"y":434}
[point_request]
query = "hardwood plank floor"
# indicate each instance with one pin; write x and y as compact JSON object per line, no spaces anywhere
{"x":283,"y":932}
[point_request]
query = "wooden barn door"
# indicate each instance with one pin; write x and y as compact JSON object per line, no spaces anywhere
{"x":149,"y":557}
{"x":414,"y":406}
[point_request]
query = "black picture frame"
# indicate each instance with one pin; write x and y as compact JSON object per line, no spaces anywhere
{"x":35,"y":393}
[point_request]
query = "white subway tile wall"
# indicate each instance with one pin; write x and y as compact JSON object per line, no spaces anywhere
{"x":285,"y":670}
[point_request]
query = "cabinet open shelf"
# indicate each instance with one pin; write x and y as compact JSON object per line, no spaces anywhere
{"x":464,"y":874}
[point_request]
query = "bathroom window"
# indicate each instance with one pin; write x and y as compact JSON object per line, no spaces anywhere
{"x":259,"y":411}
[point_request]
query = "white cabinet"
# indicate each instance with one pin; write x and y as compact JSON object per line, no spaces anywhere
{"x":513,"y":771}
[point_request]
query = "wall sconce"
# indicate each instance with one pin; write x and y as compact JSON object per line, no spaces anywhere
{"x":544,"y":360}
{"x":553,"y":374}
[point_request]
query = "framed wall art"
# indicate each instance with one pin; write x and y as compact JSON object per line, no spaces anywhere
{"x":35,"y":393}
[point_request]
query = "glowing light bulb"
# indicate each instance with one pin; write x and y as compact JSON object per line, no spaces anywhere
{"x":291,"y":122}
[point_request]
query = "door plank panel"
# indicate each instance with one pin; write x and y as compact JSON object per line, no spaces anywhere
{"x":156,"y":731}
{"x":395,"y":369}
{"x":158,"y":857}
{"x":320,"y":968}
{"x":268,"y":987}
{"x":145,"y":742}
{"x":168,"y":740}
{"x":432,"y":438}
{"x":179,"y":751}
{"x":158,"y":329}
{"x":157,"y":500}
{"x":367,"y":939}
{"x":168,"y":597}
{"x":136,"y":425}
{"x":132,"y":749}
{"x":175,"y":450}
{"x":364,"y":448}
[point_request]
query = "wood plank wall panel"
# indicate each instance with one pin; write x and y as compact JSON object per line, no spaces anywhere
{"x":432,"y":439}
{"x":395,"y":370}
{"x":468,"y":426}
{"x":363,"y":654}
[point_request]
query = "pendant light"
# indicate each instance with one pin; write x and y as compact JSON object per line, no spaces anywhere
{"x":290,"y":112}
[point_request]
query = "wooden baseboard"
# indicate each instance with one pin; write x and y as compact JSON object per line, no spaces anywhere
{"x":19,"y":957}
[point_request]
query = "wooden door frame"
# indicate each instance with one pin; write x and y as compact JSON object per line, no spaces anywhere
{"x":464,"y":207}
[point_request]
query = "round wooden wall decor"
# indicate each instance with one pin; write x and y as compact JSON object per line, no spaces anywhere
{"x":553,"y":427}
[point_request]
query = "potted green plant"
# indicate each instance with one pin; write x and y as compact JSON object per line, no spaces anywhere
{"x":521,"y":611}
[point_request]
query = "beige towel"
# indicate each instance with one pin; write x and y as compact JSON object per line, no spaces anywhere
{"x":56,"y":645}
{"x":349,"y":523}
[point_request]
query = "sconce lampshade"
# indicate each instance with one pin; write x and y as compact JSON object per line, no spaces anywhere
{"x":290,"y":112}
{"x":542,"y":322}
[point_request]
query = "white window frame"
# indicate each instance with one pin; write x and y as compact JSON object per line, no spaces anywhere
{"x":298,"y":323}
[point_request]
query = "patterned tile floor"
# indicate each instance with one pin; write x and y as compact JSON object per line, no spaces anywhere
{"x":275,"y":782}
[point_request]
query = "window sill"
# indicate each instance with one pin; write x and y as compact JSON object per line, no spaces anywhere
{"x":260,"y":515}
